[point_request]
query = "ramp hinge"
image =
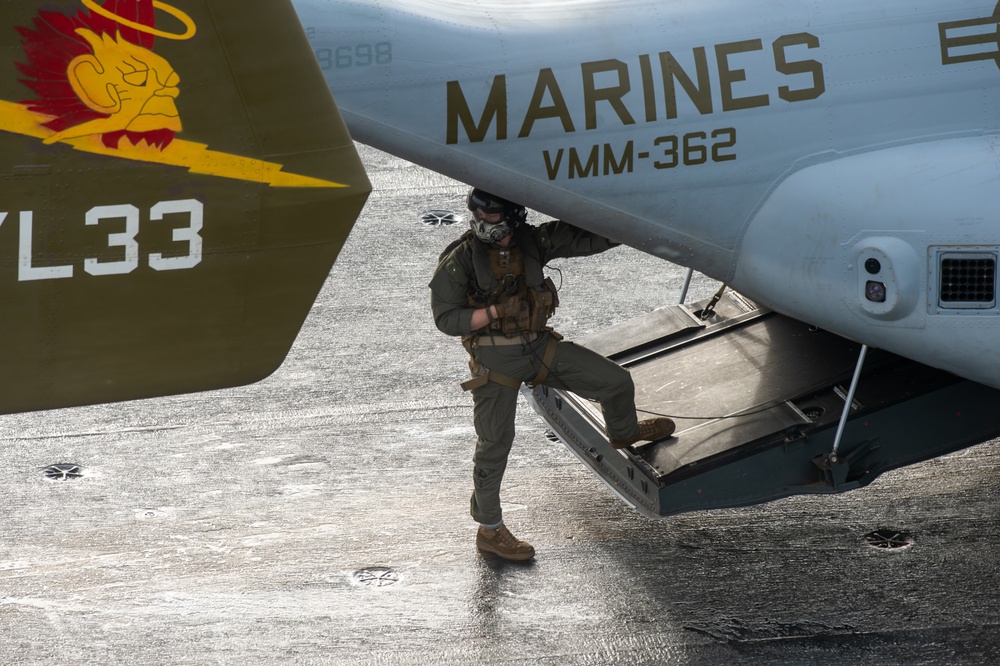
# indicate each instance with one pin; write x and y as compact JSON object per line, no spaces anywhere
{"x":836,"y":467}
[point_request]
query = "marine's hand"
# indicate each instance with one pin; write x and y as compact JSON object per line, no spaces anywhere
{"x":510,"y":306}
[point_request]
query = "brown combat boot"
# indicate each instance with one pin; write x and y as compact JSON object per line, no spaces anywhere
{"x":651,"y":430}
{"x":501,"y":542}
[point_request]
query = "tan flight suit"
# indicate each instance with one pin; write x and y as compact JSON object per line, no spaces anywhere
{"x":468,"y":277}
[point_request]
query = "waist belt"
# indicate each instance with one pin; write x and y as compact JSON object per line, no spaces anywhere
{"x":487,"y":340}
{"x":484,"y":375}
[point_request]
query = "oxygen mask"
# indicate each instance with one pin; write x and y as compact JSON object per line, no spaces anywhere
{"x":490,"y":231}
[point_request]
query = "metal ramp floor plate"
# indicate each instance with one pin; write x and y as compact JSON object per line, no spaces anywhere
{"x":756,"y":397}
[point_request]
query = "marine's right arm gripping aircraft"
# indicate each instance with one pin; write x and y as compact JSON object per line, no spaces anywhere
{"x":835,"y":164}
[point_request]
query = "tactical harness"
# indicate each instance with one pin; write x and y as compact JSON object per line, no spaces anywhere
{"x":512,"y":280}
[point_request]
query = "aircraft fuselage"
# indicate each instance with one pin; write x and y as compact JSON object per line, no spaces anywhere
{"x":837,"y":163}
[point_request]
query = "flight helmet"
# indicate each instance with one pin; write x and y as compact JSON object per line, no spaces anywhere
{"x":512,"y":215}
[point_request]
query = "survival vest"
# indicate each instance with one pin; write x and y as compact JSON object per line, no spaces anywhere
{"x":512,"y":279}
{"x":503,"y":276}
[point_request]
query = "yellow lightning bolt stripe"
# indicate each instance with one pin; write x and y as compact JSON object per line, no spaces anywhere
{"x":195,"y":156}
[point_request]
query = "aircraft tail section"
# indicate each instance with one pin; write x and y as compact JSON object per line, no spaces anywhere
{"x":175,"y":185}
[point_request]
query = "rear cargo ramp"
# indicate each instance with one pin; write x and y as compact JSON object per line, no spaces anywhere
{"x":757,"y":398}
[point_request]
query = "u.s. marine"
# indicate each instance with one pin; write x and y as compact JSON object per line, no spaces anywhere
{"x":489,"y":288}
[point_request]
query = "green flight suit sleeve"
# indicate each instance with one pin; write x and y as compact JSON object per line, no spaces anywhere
{"x":560,"y":239}
{"x":449,"y":294}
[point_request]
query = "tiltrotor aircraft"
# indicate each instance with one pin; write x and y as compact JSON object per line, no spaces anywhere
{"x":177,"y":181}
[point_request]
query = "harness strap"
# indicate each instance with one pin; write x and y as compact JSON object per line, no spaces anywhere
{"x":547,"y":357}
{"x":483,"y":375}
{"x":490,"y":376}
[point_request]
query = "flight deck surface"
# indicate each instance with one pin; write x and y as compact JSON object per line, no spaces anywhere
{"x":321,"y":516}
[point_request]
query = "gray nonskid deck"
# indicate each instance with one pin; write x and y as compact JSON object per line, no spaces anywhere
{"x":238,"y":526}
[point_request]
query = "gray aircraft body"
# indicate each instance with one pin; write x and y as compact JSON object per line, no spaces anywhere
{"x":834,"y":163}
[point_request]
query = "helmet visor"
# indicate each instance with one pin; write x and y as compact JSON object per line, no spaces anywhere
{"x":481,"y":201}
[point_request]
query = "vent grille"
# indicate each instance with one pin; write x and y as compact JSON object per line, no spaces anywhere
{"x":968,"y":280}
